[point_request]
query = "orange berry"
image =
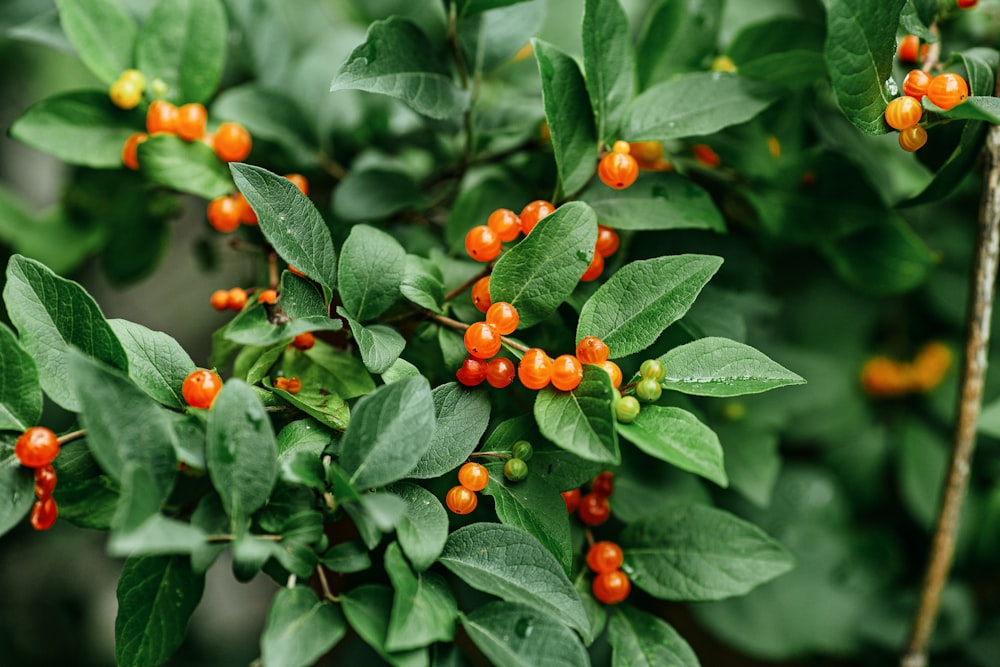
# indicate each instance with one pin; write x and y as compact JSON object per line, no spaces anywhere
{"x":595,"y":268}
{"x":505,"y":223}
{"x":882,"y":377}
{"x":481,"y":294}
{"x":912,"y":138}
{"x":130,"y":151}
{"x":482,"y":340}
{"x":947,"y":90}
{"x":237,"y":298}
{"x":907,"y":49}
{"x":461,"y":500}
{"x":500,"y":372}
{"x":472,"y":371}
{"x":592,"y":350}
{"x":44,"y":513}
{"x":37,"y":447}
{"x":930,"y":366}
{"x":615,"y":373}
{"x":646,"y":152}
{"x":244,"y":211}
{"x":267,"y":296}
{"x":503,"y":316}
{"x":482,"y":243}
{"x":304,"y":341}
{"x":572,"y":500}
{"x":300,"y":182}
{"x":915,"y":83}
{"x":232,"y":142}
{"x":223,"y":214}
{"x":567,"y":371}
{"x":294,"y":385}
{"x":607,"y":241}
{"x":220,"y":299}
{"x":533,"y":212}
{"x":45,"y":481}
{"x":903,"y":112}
{"x":191,"y":121}
{"x":535,"y":369}
{"x":473,"y":476}
{"x":604,"y":557}
{"x":200,"y":388}
{"x":611,"y":587}
{"x":705,"y":156}
{"x":281,"y":383}
{"x":618,"y":170}
{"x":622,"y":147}
{"x":161,"y":117}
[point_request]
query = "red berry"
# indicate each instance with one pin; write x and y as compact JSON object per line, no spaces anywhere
{"x":45,"y":481}
{"x":912,"y":138}
{"x":237,"y":298}
{"x":300,"y":182}
{"x":611,"y":587}
{"x":232,"y":142}
{"x":903,"y":112}
{"x":604,"y":557}
{"x":473,"y":476}
{"x":607,"y":241}
{"x":244,"y":210}
{"x":947,"y":90}
{"x":161,"y":117}
{"x":36,"y":447}
{"x":967,"y":4}
{"x":482,"y":340}
{"x":304,"y":341}
{"x":705,"y":156}
{"x":533,"y":212}
{"x":603,"y":484}
{"x":535,"y":368}
{"x":618,"y":170}
{"x":44,"y":513}
{"x":503,"y":316}
{"x":907,"y":49}
{"x":915,"y":83}
{"x":595,"y":268}
{"x":567,"y":371}
{"x":191,"y":121}
{"x":594,"y":509}
{"x":505,"y":223}
{"x":482,"y":244}
{"x":500,"y":372}
{"x":592,"y":350}
{"x":481,"y":294}
{"x":461,"y":500}
{"x":572,"y":500}
{"x":219,"y":299}
{"x":267,"y":296}
{"x":130,"y":151}
{"x":472,"y":372}
{"x":223,"y":214}
{"x":200,"y":388}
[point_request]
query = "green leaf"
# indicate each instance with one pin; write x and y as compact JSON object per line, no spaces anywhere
{"x":424,"y":527}
{"x":543,"y":269}
{"x":461,"y":416}
{"x":679,"y":438}
{"x":20,"y":390}
{"x":569,"y":116}
{"x":376,"y":194}
{"x":347,"y":374}
{"x":722,"y":367}
{"x":492,"y":38}
{"x":156,"y":597}
{"x":785,"y":51}
{"x":474,"y":6}
{"x":347,"y":557}
{"x":562,"y":470}
{"x":581,"y":421}
{"x":398,"y":60}
{"x":186,"y":166}
{"x":609,"y":64}
{"x":423,"y":607}
{"x":299,"y":628}
{"x":268,"y":115}
{"x":290,"y":223}
{"x":860,"y":44}
{"x":655,"y":201}
{"x":677,"y":38}
{"x":695,"y":552}
{"x":696,"y":104}
{"x":381,"y":423}
{"x":976,"y":107}
{"x":639,"y":639}
{"x":423,"y":283}
{"x":513,"y":565}
{"x":102,"y":33}
{"x":753,"y":461}
{"x":371,"y":268}
{"x":79,"y":127}
{"x":367,"y":609}
{"x":380,"y":345}
{"x":642,"y":298}
{"x":86,"y":496}
{"x":301,"y":297}
{"x":183,"y":43}
{"x":517,"y":635}
{"x":241,"y":451}
{"x":318,"y":396}
{"x":156,"y":362}
{"x":17,"y":491}
{"x":882,"y":259}
{"x":257,"y":326}
{"x":534,"y":505}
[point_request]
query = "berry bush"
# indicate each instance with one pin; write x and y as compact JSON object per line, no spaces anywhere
{"x":571,"y":332}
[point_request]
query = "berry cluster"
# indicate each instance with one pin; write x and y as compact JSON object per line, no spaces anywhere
{"x":37,"y":448}
{"x":516,"y":467}
{"x":126,"y":92}
{"x":201,"y":387}
{"x":610,"y":584}
{"x":483,"y":341}
{"x":592,"y":508}
{"x":904,"y":113}
{"x":649,"y":155}
{"x":883,"y":377}
{"x":484,"y":242}
{"x":472,"y":478}
{"x":618,"y":169}
{"x":292,"y":385}
{"x":231,"y":299}
{"x":606,"y":245}
{"x":648,"y":388}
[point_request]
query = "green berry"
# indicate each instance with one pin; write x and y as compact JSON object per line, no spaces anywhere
{"x":653,"y":368}
{"x":515,"y":469}
{"x":648,"y":389}
{"x":627,"y":409}
{"x":522,"y":449}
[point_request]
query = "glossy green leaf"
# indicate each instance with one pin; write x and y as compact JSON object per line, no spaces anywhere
{"x":371,"y":269}
{"x":183,"y":43}
{"x":102,"y":33}
{"x":569,"y":116}
{"x":696,"y":104}
{"x":786,"y":51}
{"x":398,"y":60}
{"x":261,"y":326}
{"x":544,"y":268}
{"x":642,"y":298}
{"x":87,"y":497}
{"x":290,"y":223}
{"x":753,"y":461}
{"x":655,"y":201}
{"x":79,"y":127}
{"x":241,"y":451}
{"x":695,"y":552}
{"x":676,"y":436}
{"x":473,"y":6}
{"x":401,"y":412}
{"x":156,"y":597}
{"x":190,"y":167}
{"x":424,"y":527}
{"x":380,"y":345}
{"x":518,"y":635}
{"x":493,"y":37}
{"x":609,"y":63}
{"x":581,"y":421}
{"x":367,"y":609}
{"x":376,"y":194}
{"x":299,"y":628}
{"x":346,"y":372}
{"x":423,"y":283}
{"x":976,"y":107}
{"x":722,"y":367}
{"x":20,"y":390}
{"x":639,"y":639}
{"x":882,"y":259}
{"x":17,"y":491}
{"x":511,"y":564}
{"x":156,"y":362}
{"x":676,"y":38}
{"x":461,"y":417}
{"x":347,"y":557}
{"x":860,"y":44}
{"x":423,"y":606}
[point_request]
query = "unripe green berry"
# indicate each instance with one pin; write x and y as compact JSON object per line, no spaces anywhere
{"x":648,"y":389}
{"x":515,"y":469}
{"x":653,"y":368}
{"x":627,"y":409}
{"x":522,"y":449}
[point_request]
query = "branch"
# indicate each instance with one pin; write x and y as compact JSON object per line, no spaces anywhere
{"x":981,"y":294}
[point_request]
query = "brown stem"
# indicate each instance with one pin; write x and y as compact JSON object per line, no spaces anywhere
{"x":468,"y":283}
{"x":71,"y":436}
{"x":215,"y":539}
{"x":331,"y":167}
{"x":325,"y":585}
{"x":981,"y":294}
{"x":272,"y":269}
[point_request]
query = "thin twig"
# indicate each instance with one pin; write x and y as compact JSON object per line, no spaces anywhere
{"x":70,"y":437}
{"x":468,"y":283}
{"x":325,"y":585}
{"x":981,"y":294}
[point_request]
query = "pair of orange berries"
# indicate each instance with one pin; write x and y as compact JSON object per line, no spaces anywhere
{"x":226,"y":213}
{"x":472,"y":478}
{"x":37,"y":448}
{"x":292,"y":385}
{"x":230,"y":299}
{"x":883,"y":377}
{"x":610,"y":585}
{"x":483,"y":341}
{"x":945,"y":90}
{"x":606,"y":245}
{"x":537,"y":370}
{"x":484,"y":242}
